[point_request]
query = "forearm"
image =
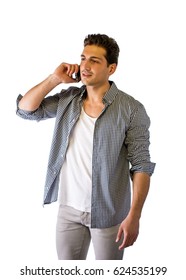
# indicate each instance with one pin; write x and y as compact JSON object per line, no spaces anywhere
{"x":130,"y":225}
{"x":141,"y":183}
{"x":33,"y":98}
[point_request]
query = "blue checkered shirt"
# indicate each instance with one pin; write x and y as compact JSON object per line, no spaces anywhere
{"x":120,"y":148}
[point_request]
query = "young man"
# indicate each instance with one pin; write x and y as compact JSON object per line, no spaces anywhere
{"x":100,"y":142}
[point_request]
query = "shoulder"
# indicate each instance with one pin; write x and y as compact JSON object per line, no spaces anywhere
{"x":126,"y":100}
{"x":71,"y":92}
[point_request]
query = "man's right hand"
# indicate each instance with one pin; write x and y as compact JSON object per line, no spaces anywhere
{"x":64,"y":72}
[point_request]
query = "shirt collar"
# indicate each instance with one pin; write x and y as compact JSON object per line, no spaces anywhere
{"x":82,"y":92}
{"x":109,"y":95}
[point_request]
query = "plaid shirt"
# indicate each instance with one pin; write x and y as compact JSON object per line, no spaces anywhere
{"x":120,"y":147}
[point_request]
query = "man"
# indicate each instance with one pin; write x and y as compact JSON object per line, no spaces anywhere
{"x":100,"y":142}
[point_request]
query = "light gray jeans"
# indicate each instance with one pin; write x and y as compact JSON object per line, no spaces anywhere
{"x":73,"y":236}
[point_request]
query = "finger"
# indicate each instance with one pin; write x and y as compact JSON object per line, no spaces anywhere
{"x":127,"y":242}
{"x":124,"y":244}
{"x":77,"y":68}
{"x":70,"y":70}
{"x":73,"y":69}
{"x":119,"y":234}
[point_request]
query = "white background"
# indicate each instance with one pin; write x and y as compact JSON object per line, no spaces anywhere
{"x":36,"y":36}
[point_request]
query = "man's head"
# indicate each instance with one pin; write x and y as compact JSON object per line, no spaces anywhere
{"x":109,"y":44}
{"x":98,"y":60}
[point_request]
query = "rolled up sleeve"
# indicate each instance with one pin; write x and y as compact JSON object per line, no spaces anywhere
{"x":137,"y":142}
{"x":46,"y":110}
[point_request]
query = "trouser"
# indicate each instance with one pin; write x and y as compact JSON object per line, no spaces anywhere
{"x":73,"y":236}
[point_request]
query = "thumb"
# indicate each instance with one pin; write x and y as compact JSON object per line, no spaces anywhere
{"x":119,"y":234}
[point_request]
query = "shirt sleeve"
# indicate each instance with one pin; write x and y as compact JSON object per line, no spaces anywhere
{"x":137,"y":142}
{"x":46,"y":110}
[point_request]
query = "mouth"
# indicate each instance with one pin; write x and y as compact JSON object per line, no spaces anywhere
{"x":86,"y":74}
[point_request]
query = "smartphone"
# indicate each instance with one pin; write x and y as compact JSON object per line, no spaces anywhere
{"x":78,"y":76}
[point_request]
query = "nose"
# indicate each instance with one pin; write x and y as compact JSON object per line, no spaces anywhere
{"x":86,"y":64}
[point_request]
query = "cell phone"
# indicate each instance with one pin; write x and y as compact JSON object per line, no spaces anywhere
{"x":78,"y":76}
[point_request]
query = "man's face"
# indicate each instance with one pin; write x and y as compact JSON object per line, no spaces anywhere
{"x":94,"y":68}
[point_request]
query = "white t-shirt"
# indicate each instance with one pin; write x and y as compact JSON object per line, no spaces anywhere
{"x":76,"y":172}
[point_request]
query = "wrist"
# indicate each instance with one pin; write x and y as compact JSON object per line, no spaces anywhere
{"x":54,"y":79}
{"x":134,"y":214}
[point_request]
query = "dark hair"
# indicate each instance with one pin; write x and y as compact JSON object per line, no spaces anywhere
{"x":108,"y":43}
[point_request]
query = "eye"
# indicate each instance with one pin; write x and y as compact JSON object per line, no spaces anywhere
{"x":94,"y":61}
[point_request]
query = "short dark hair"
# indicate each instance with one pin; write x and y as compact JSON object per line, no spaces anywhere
{"x":106,"y":42}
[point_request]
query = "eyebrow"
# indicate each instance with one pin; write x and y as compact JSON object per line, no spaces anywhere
{"x":94,"y":57}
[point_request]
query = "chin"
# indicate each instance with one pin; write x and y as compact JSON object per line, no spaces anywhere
{"x":85,"y":82}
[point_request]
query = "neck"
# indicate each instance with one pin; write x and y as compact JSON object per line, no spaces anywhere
{"x":95,"y":94}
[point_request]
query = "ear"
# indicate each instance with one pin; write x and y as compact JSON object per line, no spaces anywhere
{"x":112,"y":68}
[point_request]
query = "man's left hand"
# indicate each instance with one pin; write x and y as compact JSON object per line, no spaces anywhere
{"x":129,"y":228}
